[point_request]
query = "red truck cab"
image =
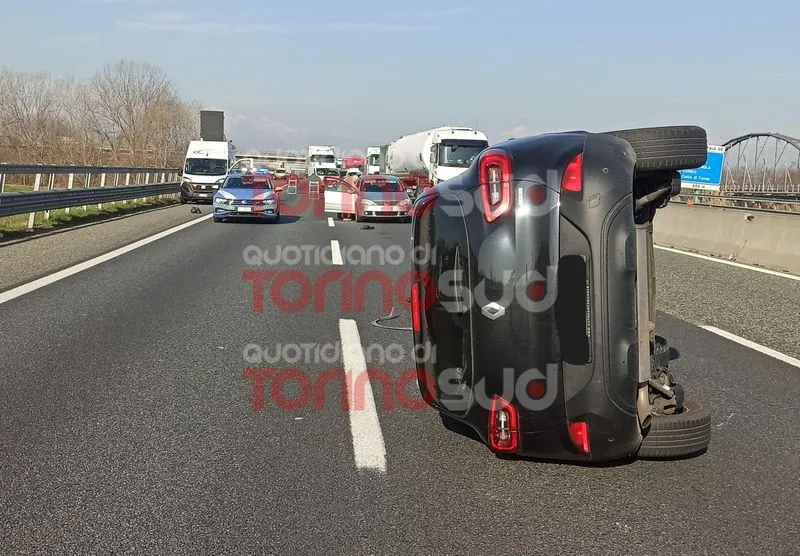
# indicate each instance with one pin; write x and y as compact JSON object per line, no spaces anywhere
{"x":354,"y":162}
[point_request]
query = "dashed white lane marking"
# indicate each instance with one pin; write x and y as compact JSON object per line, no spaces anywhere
{"x":752,"y":345}
{"x":729,"y":263}
{"x":368,"y":445}
{"x":61,"y":274}
{"x":330,"y":222}
{"x":336,"y":253}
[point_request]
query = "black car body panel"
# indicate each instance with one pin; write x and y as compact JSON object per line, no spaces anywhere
{"x":575,"y":330}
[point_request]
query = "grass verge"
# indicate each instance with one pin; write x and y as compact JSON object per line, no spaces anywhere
{"x":12,"y":227}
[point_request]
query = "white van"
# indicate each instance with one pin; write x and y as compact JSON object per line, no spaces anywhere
{"x":204,"y":169}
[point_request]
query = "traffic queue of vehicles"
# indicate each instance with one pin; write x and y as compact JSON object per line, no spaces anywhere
{"x":576,"y":332}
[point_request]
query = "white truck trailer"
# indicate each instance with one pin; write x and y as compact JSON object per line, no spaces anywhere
{"x":319,"y":157}
{"x":437,"y":154}
{"x":373,"y":160}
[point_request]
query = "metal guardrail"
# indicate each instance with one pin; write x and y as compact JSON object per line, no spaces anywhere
{"x":40,"y":201}
{"x":118,"y":188}
{"x":30,"y":169}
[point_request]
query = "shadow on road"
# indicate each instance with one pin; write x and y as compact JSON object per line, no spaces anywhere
{"x":285,"y":219}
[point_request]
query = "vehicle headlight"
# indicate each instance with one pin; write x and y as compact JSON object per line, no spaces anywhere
{"x":367,"y":202}
{"x":269,"y":202}
{"x":221,"y":202}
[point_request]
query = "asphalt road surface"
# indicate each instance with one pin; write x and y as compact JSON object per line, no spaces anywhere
{"x":128,"y":423}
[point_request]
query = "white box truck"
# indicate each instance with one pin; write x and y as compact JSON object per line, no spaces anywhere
{"x":319,"y":157}
{"x":437,"y":154}
{"x":373,"y":160}
{"x":204,"y":169}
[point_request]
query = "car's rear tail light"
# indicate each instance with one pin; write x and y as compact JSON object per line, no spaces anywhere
{"x":416,"y":313}
{"x":503,"y":426}
{"x":494,"y":171}
{"x":572,"y":178}
{"x":579,"y":435}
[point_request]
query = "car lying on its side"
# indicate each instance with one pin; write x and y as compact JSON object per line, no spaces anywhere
{"x":538,"y":297}
{"x":247,"y":195}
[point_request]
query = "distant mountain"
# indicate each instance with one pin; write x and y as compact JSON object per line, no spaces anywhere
{"x":262,"y":134}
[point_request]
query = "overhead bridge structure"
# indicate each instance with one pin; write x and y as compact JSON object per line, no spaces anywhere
{"x":292,"y":161}
{"x":765,"y":165}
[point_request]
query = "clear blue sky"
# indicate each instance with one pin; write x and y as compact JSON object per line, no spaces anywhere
{"x":366,"y":72}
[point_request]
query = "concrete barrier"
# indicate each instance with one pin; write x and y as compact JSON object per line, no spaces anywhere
{"x":771,"y":240}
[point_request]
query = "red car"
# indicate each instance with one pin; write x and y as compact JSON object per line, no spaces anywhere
{"x":374,"y":196}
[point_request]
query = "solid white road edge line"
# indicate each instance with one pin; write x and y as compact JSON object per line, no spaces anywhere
{"x":330,"y":222}
{"x":752,"y":345}
{"x":61,"y":274}
{"x":336,"y":253}
{"x":729,"y":263}
{"x":368,"y":447}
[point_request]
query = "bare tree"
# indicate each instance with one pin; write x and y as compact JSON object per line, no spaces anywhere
{"x":29,"y":104}
{"x":128,"y":113}
{"x":122,"y":95}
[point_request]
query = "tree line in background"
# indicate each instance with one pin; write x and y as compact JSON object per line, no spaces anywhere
{"x":128,"y":114}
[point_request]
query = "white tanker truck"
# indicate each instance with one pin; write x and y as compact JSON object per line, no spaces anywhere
{"x":437,"y":154}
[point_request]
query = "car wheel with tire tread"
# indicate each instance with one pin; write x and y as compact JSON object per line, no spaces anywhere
{"x":668,"y":148}
{"x":682,"y":434}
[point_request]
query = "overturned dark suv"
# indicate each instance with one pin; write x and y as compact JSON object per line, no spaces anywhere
{"x":539,"y":296}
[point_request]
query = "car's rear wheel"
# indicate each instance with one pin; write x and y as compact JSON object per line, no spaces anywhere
{"x":682,"y":434}
{"x":668,"y":148}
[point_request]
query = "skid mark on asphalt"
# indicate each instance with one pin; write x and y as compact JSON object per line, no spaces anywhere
{"x":368,"y":445}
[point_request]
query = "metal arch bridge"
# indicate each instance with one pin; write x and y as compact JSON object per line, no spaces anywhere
{"x":765,"y":165}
